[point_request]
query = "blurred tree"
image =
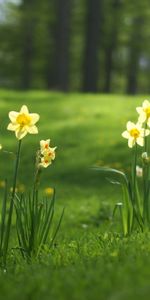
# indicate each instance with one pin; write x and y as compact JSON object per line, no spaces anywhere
{"x":9,"y":46}
{"x":28,"y":23}
{"x":93,"y":45}
{"x":58,"y":76}
{"x":114,"y":13}
{"x":92,"y":42}
{"x":134,"y":48}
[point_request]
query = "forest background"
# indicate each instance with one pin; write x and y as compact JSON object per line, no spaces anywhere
{"x":75,"y":45}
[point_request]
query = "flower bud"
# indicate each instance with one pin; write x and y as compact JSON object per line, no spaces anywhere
{"x":145,"y":158}
{"x":139,"y":171}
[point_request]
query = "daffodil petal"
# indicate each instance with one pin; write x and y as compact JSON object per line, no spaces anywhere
{"x":146,"y":103}
{"x":146,"y":132}
{"x":20,"y":134}
{"x":126,"y":134}
{"x":13,"y":115}
{"x":130,"y":125}
{"x":24,"y":110}
{"x":12,"y":127}
{"x":140,"y":141}
{"x":139,"y":110}
{"x":32,"y":129}
{"x":148,"y":122}
{"x":142,"y":117}
{"x":131,"y":142}
{"x":34,"y":118}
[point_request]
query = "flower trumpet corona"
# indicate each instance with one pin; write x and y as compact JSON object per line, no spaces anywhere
{"x":135,"y":134}
{"x":23,"y":122}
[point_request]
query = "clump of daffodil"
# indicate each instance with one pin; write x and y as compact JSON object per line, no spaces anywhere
{"x":47,"y":153}
{"x":32,"y":236}
{"x":37,"y":233}
{"x":135,"y":208}
{"x":144,"y":112}
{"x":23,"y":122}
{"x":135,"y":134}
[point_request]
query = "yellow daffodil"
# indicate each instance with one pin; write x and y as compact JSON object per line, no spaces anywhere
{"x":23,"y":122}
{"x":144,"y":112}
{"x":135,"y":134}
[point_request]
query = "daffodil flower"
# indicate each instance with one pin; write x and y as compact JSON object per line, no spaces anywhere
{"x":135,"y":134}
{"x":144,"y":112}
{"x":44,"y":145}
{"x":45,"y":162}
{"x":23,"y":122}
{"x":47,"y":152}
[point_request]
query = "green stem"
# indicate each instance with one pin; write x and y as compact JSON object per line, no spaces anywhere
{"x":145,"y":182}
{"x":134,"y":191}
{"x":134,"y":172}
{"x":146,"y":193}
{"x":145,"y":139}
{"x":7,"y":235}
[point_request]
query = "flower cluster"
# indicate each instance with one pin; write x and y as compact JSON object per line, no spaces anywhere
{"x":47,"y":153}
{"x":136,"y":133}
{"x":42,"y":210}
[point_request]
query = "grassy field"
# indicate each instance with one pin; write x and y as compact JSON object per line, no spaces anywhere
{"x":91,"y":260}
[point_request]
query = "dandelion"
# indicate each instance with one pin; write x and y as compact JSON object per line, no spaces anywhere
{"x":21,"y":188}
{"x":144,"y":112}
{"x":23,"y":122}
{"x":11,"y":189}
{"x":48,"y":191}
{"x":135,"y":134}
{"x":2,"y":184}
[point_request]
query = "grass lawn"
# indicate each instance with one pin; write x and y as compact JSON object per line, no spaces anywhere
{"x":91,"y":260}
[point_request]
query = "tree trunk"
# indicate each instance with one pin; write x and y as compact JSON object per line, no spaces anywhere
{"x":58,"y":74}
{"x":134,"y":55}
{"x":112,"y":44}
{"x":27,"y":36}
{"x":91,"y":61}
